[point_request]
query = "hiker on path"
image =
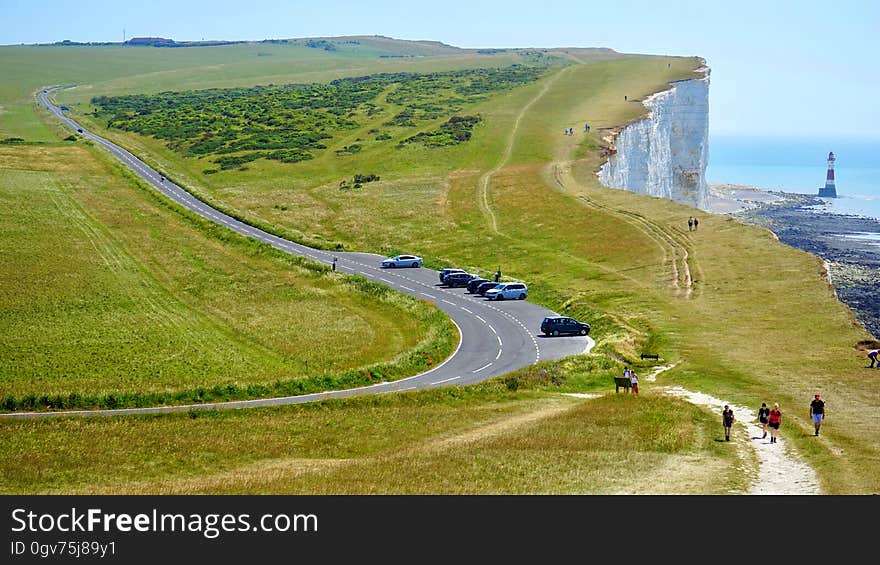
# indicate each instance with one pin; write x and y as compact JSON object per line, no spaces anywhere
{"x":727,"y":419}
{"x":872,"y":355}
{"x":634,"y":379}
{"x":774,"y":419}
{"x":696,"y":223}
{"x":587,"y":128}
{"x":817,"y":412}
{"x":764,"y":417}
{"x":691,"y":223}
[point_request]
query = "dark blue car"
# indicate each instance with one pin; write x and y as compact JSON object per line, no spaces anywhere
{"x":559,"y":325}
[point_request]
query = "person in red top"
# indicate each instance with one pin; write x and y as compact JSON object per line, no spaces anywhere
{"x":773,"y":420}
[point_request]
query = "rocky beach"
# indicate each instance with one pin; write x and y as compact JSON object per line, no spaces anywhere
{"x":850,"y":245}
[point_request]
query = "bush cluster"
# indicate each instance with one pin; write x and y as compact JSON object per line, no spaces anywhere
{"x":357,"y":181}
{"x":292,"y":123}
{"x":455,"y":130}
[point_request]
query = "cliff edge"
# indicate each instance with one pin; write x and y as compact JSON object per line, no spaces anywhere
{"x":666,"y":153}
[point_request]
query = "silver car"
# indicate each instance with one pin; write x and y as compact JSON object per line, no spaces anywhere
{"x":402,"y":261}
{"x":508,"y":291}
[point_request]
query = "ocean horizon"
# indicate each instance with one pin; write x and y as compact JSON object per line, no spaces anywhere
{"x":799,"y":165}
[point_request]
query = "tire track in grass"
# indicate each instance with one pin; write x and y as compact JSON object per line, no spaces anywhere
{"x":483,"y":185}
{"x":676,"y":256}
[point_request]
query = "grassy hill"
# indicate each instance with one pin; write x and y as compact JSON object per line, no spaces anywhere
{"x":741,"y":316}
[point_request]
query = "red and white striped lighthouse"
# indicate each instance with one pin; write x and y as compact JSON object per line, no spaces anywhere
{"x":829,"y":190}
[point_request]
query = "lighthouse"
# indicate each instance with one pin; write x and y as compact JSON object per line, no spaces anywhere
{"x":829,"y":190}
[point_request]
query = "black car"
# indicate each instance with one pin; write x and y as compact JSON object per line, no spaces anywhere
{"x":557,"y":325}
{"x":474,"y":283}
{"x":458,"y":279}
{"x":444,"y":272}
{"x":483,"y":287}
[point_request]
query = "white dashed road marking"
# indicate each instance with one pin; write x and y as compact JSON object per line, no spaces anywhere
{"x":446,"y":380}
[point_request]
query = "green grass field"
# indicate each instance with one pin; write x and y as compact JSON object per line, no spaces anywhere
{"x":479,"y":439}
{"x":108,"y":291}
{"x":744,"y":317}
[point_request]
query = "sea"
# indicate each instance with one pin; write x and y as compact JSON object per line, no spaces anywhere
{"x":799,"y":165}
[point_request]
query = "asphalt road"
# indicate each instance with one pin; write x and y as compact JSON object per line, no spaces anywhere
{"x":496,"y":337}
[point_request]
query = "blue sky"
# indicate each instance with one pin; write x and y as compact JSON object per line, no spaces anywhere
{"x":779,"y":68}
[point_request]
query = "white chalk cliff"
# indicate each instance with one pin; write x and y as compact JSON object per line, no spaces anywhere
{"x":666,"y":153}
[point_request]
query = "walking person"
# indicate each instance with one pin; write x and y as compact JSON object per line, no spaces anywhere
{"x":872,"y":355}
{"x":727,"y":419}
{"x":764,"y":417}
{"x":774,"y":419}
{"x":691,"y":223}
{"x":634,"y":380}
{"x":498,"y":274}
{"x":696,"y":223}
{"x":817,"y":412}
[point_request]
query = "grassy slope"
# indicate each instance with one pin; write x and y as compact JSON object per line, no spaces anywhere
{"x":741,"y":333}
{"x":105,"y":290}
{"x":475,"y":440}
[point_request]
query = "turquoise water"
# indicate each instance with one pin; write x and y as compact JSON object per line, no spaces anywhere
{"x":799,"y":166}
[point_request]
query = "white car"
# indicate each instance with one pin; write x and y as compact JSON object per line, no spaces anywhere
{"x":402,"y":261}
{"x":508,"y":291}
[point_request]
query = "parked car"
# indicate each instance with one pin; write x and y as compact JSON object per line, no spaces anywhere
{"x":402,"y":261}
{"x":508,"y":291}
{"x":458,"y":279}
{"x":482,"y":288}
{"x":444,"y":272}
{"x":474,"y":283}
{"x":556,"y":325}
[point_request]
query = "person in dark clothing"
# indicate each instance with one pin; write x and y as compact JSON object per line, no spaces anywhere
{"x":498,"y":274}
{"x":774,"y":419}
{"x":696,"y":223}
{"x":817,"y":412}
{"x":872,"y":355}
{"x":727,"y":419}
{"x":764,"y":417}
{"x":691,"y":223}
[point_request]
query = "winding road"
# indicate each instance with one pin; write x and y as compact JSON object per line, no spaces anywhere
{"x":495,"y":337}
